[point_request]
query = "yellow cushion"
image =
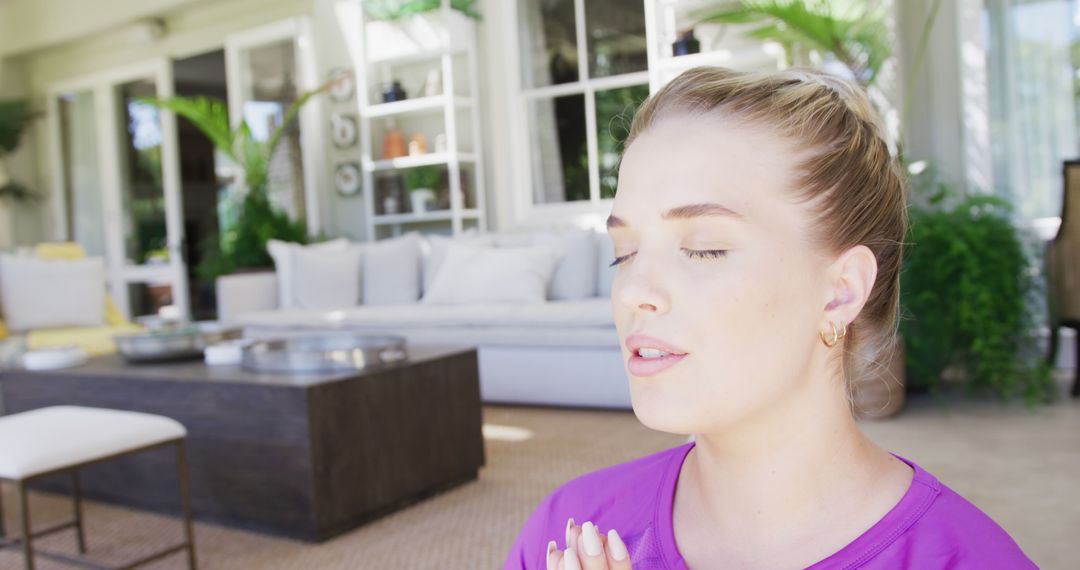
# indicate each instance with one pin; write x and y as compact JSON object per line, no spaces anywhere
{"x":96,"y":341}
{"x":71,"y":250}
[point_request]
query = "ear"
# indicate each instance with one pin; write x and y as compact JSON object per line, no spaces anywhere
{"x":851,"y":278}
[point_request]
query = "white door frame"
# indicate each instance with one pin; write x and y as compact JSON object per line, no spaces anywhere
{"x":120,"y":273}
{"x":299,"y":30}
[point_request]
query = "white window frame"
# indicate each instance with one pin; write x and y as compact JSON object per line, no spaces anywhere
{"x":526,"y":209}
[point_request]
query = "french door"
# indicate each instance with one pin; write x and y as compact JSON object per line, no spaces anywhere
{"x":116,"y":183}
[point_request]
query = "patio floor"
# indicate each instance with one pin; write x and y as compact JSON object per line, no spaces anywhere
{"x":1017,"y":465}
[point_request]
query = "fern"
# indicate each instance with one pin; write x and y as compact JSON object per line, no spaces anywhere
{"x":854,"y":34}
{"x":244,"y":244}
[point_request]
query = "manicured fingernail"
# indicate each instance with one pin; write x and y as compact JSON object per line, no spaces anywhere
{"x":570,"y":561}
{"x":569,"y":526}
{"x":591,"y":540}
{"x":616,"y":547}
{"x":552,"y":547}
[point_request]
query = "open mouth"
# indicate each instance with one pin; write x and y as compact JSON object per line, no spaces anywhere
{"x":649,"y":356}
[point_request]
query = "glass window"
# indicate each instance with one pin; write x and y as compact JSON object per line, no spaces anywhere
{"x":549,"y":42}
{"x":616,"y":37}
{"x":615,"y":110}
{"x":560,"y":159}
{"x":1034,"y":89}
{"x":612,"y":43}
{"x":269,"y":79}
{"x":82,"y":183}
{"x":143,"y":199}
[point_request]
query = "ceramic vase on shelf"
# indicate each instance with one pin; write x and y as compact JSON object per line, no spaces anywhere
{"x":393,"y":92}
{"x":422,"y":199}
{"x":390,"y":205}
{"x":418,"y":145}
{"x":394,"y":144}
{"x":433,"y":84}
{"x":686,"y":44}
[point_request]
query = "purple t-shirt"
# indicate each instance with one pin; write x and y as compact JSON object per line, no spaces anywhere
{"x":931,"y":527}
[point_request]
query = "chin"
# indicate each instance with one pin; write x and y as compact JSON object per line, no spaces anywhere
{"x":662,"y":408}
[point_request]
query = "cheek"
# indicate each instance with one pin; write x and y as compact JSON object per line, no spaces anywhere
{"x":745,"y":318}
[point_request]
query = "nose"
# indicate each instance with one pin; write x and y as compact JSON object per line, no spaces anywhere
{"x":641,"y":288}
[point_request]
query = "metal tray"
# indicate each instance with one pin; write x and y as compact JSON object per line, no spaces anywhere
{"x":333,"y":352}
{"x":184,"y":342}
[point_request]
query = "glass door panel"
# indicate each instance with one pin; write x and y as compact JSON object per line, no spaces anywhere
{"x":80,"y":170}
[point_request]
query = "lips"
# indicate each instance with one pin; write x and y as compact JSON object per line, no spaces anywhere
{"x":650,"y":356}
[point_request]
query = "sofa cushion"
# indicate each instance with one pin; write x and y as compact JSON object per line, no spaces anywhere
{"x":605,"y":256}
{"x":434,"y":252}
{"x":281,"y":253}
{"x":326,"y":278}
{"x":37,"y":293}
{"x":575,"y":275}
{"x":474,"y":275}
{"x":391,"y":272}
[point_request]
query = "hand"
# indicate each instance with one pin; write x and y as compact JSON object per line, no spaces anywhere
{"x":588,"y":549}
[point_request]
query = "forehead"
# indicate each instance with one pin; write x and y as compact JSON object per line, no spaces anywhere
{"x":688,"y":160}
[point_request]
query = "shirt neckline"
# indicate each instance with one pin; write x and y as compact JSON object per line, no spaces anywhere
{"x":913,"y":504}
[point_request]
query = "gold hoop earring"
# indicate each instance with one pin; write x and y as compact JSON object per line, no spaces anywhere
{"x":836,"y":336}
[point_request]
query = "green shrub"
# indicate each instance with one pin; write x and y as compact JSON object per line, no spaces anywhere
{"x":967,"y":292}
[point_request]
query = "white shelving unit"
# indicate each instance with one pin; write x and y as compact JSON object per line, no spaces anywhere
{"x":407,"y":50}
{"x":666,"y":18}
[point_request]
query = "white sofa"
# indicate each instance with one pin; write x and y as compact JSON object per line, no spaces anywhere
{"x":560,"y":349}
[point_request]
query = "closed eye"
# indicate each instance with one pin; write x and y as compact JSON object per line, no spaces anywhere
{"x":691,"y":253}
{"x":622,"y":259}
{"x":704,"y":253}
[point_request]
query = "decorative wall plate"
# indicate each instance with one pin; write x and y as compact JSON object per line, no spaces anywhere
{"x":343,"y":87}
{"x":344,"y":130}
{"x":347,"y":178}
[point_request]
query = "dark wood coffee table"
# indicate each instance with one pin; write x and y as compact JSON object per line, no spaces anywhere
{"x":305,"y":456}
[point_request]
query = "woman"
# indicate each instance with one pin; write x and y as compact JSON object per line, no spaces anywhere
{"x":758,"y":232}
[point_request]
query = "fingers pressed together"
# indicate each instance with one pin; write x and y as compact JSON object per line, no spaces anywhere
{"x":588,"y":549}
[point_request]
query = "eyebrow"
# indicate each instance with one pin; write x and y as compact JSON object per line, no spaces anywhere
{"x":687,"y":212}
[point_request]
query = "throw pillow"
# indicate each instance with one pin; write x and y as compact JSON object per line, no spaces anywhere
{"x":281,"y":253}
{"x":326,"y":278}
{"x":37,"y":294}
{"x":435,"y":254}
{"x":605,"y":255}
{"x":487,"y":275}
{"x":392,"y":271}
{"x":575,"y":274}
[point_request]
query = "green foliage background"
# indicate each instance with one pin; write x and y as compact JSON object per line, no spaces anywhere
{"x":968,"y":286}
{"x":397,"y":9}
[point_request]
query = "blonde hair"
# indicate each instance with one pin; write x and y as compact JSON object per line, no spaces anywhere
{"x":856,"y":187}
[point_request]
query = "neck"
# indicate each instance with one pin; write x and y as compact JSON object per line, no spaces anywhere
{"x":777,"y":472}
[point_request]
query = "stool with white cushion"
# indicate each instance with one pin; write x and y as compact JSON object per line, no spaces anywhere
{"x":61,"y":439}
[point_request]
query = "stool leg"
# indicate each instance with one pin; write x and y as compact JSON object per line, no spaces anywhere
{"x":3,"y":533}
{"x":76,"y":497}
{"x":27,"y":535}
{"x":185,"y":503}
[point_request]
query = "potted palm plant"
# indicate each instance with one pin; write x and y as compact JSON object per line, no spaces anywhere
{"x":242,"y":245}
{"x":15,"y":116}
